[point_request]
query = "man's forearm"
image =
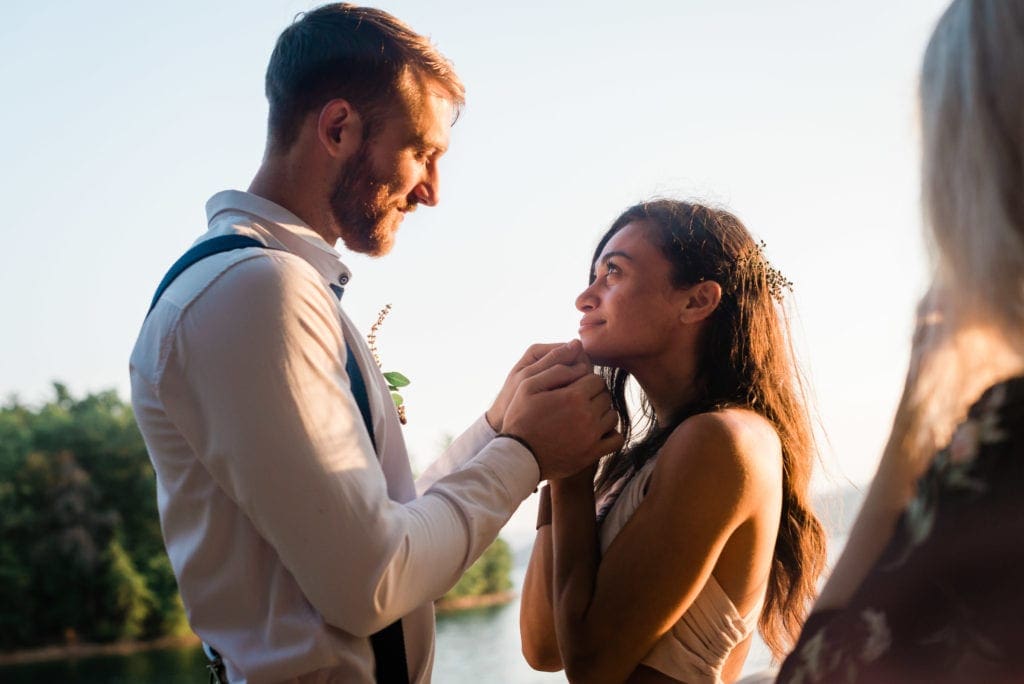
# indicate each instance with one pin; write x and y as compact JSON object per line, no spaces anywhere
{"x":459,"y":452}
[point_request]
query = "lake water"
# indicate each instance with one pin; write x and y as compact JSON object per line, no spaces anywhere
{"x":472,"y":647}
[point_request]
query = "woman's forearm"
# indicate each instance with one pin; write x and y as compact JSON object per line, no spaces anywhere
{"x":907,"y":453}
{"x":887,"y":496}
{"x":576,"y":555}
{"x":536,"y":614}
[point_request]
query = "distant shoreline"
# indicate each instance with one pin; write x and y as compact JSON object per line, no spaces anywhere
{"x":446,"y":606}
{"x":86,"y":650}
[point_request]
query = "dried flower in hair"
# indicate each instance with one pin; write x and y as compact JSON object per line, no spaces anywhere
{"x":753,"y":263}
{"x":394,"y":379}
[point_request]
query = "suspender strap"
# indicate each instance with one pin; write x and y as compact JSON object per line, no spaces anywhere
{"x":223,"y":243}
{"x":389,"y":643}
{"x":358,"y":384}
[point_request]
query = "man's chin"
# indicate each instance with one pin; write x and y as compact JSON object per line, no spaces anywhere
{"x":386,"y":232}
{"x":370,"y":248}
{"x":375,"y":243}
{"x":381,"y":249}
{"x":384,"y":240}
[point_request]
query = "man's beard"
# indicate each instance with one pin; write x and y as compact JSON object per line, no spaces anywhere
{"x":359,"y":203}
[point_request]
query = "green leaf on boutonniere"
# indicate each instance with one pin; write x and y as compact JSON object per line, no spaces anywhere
{"x":396,"y":379}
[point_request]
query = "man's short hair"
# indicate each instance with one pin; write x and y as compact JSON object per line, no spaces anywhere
{"x":361,"y":54}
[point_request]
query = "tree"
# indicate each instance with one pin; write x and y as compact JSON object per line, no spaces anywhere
{"x":488,"y":575}
{"x":81,"y":554}
{"x":126,"y":600}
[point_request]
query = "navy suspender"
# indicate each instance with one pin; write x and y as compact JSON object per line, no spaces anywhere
{"x":389,"y":643}
{"x":223,"y":243}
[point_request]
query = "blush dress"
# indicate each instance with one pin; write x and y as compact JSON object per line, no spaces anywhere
{"x":695,"y":649}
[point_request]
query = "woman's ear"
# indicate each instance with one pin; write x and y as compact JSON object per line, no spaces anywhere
{"x":700,"y":301}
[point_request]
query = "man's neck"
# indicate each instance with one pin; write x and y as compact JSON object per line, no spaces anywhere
{"x":280,"y":183}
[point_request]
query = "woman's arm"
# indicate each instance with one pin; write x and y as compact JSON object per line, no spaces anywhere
{"x":575,"y":559}
{"x":536,"y":617}
{"x":609,"y":611}
{"x":888,"y":495}
{"x":898,"y":470}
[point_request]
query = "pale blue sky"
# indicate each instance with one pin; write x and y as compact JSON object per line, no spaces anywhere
{"x":120,"y":119}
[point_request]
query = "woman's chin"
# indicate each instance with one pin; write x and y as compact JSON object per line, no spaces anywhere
{"x":597,"y":355}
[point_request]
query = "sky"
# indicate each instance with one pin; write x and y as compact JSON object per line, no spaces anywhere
{"x":121,"y":119}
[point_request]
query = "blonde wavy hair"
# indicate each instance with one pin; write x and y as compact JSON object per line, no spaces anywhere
{"x":971,"y":321}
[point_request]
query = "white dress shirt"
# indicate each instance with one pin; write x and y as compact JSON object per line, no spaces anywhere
{"x":291,"y":540}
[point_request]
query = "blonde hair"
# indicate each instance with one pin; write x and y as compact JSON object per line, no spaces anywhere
{"x":972,"y":126}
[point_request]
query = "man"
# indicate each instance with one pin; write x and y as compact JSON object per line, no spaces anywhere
{"x":291,"y":518}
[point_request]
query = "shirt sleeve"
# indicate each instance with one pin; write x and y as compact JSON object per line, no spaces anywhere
{"x":458,"y":454}
{"x":255,"y":379}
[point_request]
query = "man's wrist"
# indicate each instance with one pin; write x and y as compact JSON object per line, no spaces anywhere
{"x":494,"y":424}
{"x":526,"y":445}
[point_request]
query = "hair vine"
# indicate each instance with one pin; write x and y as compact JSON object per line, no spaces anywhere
{"x":756,"y":264}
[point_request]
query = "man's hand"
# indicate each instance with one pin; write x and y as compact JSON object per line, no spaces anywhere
{"x":537,"y":358}
{"x":564,"y":413}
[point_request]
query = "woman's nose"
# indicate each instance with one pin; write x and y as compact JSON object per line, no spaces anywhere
{"x":586,"y":301}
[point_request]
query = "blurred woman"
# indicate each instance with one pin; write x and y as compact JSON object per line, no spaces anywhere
{"x":928,"y":588}
{"x":702,"y":530}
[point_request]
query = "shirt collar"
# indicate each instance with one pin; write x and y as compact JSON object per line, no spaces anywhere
{"x":287,"y":229}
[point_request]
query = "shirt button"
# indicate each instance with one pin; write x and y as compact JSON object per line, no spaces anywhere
{"x":343,"y":280}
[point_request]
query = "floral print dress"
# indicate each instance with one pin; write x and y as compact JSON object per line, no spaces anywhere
{"x":945,"y":601}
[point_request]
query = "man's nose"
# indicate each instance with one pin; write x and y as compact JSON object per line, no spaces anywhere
{"x":428,"y":190}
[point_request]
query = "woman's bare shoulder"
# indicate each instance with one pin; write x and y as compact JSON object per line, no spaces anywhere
{"x":737,"y":449}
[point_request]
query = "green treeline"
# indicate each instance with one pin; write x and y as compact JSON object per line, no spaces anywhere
{"x":490,"y":574}
{"x":81,"y":554}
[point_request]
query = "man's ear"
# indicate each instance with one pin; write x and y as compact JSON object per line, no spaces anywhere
{"x":339,"y":128}
{"x":700,"y":301}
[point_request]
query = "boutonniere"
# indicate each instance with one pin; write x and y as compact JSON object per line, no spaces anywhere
{"x":394,"y":379}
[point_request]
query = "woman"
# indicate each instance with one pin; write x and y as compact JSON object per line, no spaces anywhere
{"x":703,"y":530}
{"x":928,"y":588}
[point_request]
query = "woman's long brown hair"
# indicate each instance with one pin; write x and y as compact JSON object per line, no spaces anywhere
{"x":746,"y":360}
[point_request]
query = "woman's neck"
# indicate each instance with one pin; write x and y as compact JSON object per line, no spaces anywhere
{"x":669,"y":384}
